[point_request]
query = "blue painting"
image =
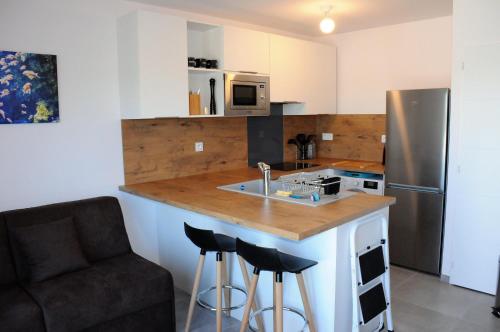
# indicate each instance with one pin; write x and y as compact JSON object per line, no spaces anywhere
{"x":28,"y":88}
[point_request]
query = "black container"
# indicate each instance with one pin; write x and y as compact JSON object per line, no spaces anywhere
{"x":203,"y":63}
{"x":213,"y":108}
{"x":197,"y":63}
{"x":191,"y":62}
{"x":331,"y":186}
{"x":301,"y":152}
{"x":212,"y":64}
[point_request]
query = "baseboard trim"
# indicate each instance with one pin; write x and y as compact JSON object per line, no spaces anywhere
{"x":445,"y":278}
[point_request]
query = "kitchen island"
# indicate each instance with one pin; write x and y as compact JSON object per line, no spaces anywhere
{"x":320,"y":233}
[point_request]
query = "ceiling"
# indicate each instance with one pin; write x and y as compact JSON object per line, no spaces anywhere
{"x":303,"y":16}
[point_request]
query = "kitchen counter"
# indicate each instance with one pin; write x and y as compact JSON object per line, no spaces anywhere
{"x":199,"y":193}
{"x":349,"y":165}
{"x":156,"y":212}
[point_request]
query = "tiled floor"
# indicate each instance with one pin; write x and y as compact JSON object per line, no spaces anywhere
{"x":420,"y":303}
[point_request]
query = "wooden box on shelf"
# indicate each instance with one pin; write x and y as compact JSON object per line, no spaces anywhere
{"x":194,"y":104}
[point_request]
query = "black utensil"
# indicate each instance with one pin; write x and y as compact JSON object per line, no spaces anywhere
{"x":293,"y":141}
{"x":301,"y":138}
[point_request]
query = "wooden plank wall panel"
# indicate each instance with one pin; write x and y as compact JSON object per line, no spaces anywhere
{"x":164,"y":148}
{"x":354,"y":136}
{"x":293,"y":125}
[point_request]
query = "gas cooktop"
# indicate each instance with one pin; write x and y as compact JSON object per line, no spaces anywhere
{"x":289,"y":166}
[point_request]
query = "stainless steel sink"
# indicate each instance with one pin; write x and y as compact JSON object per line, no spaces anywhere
{"x":256,"y":188}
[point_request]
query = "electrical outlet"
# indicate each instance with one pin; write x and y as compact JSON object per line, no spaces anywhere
{"x":383,"y":139}
{"x":198,"y":146}
{"x":327,"y":136}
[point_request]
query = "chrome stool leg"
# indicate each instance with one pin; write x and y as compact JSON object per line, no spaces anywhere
{"x":259,"y":312}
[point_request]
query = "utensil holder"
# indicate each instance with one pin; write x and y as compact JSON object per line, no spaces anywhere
{"x":194,"y":104}
{"x":301,"y":152}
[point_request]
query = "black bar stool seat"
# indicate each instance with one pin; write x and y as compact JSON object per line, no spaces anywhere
{"x":272,"y":260}
{"x":209,"y":241}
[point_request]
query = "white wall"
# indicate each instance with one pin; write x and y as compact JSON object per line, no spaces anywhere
{"x":472,"y":232}
{"x":80,"y":156}
{"x":404,"y":56}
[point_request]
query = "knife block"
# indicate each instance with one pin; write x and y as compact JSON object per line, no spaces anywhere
{"x":194,"y":104}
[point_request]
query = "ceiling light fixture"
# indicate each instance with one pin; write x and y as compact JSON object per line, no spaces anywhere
{"x":327,"y":24}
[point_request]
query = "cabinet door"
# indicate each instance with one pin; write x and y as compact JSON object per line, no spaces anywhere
{"x":320,"y":80}
{"x":152,"y":54}
{"x":288,"y":57}
{"x":303,"y":72}
{"x":246,"y":50}
{"x":163,"y":72}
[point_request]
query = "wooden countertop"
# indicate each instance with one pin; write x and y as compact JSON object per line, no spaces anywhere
{"x":199,"y":193}
{"x":350,"y":165}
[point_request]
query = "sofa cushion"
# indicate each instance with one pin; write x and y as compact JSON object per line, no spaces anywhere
{"x":49,"y":249}
{"x":99,"y":223}
{"x":7,"y":273}
{"x":108,"y":289}
{"x":18,"y":312}
{"x":157,"y":318}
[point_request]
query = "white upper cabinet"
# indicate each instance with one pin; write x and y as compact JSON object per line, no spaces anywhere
{"x":152,"y":50}
{"x":288,"y":66}
{"x":246,"y":50}
{"x":155,"y":79}
{"x":304,"y":73}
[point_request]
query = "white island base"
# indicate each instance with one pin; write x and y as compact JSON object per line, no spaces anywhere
{"x":328,"y":284}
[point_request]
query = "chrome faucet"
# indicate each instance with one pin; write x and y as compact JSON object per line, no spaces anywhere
{"x":266,"y":176}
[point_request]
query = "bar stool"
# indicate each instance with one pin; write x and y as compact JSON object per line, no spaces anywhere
{"x":270,"y":259}
{"x":208,"y":241}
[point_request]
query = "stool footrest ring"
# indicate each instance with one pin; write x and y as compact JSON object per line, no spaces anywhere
{"x":292,"y":310}
{"x":205,"y":305}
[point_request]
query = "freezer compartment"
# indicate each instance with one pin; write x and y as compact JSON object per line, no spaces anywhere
{"x":415,"y":229}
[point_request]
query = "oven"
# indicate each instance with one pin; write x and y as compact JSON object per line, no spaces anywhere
{"x":246,"y":94}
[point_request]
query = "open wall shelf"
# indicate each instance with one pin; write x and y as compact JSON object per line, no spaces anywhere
{"x":200,"y":81}
{"x":206,"y":41}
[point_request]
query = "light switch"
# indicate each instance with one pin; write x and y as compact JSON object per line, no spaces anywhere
{"x":383,"y":139}
{"x":327,"y":136}
{"x":198,"y":146}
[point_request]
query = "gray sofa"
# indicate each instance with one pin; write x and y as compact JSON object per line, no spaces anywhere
{"x":69,"y":267}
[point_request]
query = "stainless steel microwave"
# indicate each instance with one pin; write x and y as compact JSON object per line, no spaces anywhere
{"x":246,"y":94}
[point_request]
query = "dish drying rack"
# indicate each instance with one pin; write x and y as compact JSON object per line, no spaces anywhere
{"x":304,"y":183}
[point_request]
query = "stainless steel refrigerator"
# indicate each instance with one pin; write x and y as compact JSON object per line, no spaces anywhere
{"x":416,"y":156}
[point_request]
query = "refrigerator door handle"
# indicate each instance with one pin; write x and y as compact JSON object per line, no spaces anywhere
{"x":414,"y":188}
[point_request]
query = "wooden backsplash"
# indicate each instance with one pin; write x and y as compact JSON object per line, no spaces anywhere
{"x":354,"y":136}
{"x":164,"y":148}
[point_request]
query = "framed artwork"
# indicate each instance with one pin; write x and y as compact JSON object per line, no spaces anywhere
{"x":28,"y":88}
